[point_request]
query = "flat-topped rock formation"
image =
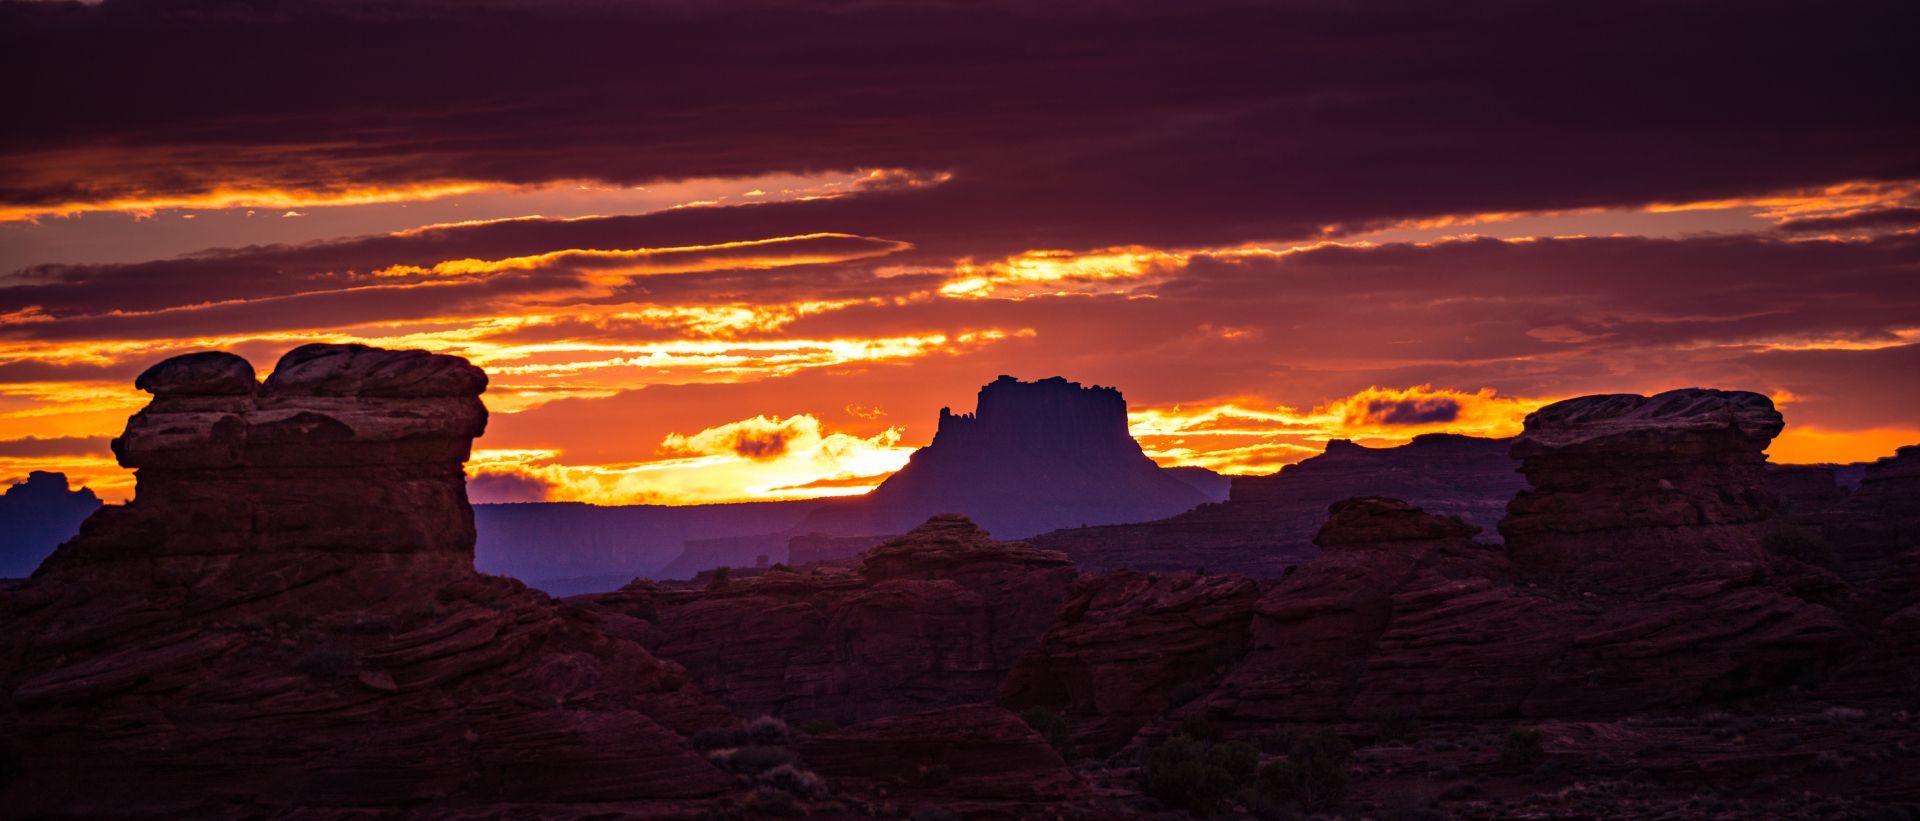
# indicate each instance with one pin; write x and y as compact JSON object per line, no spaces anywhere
{"x":1268,"y":523}
{"x":933,"y":618}
{"x":345,"y":448}
{"x":286,"y":616}
{"x":1634,"y":491}
{"x":35,"y":517}
{"x":1032,"y":457}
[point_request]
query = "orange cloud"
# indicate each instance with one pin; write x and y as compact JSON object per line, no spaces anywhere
{"x":1241,"y":437}
{"x":1801,"y":444}
{"x":759,"y":458}
{"x":243,"y":197}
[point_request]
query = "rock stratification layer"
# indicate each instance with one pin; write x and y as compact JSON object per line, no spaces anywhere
{"x":344,"y":448}
{"x":287,"y":616}
{"x":1632,"y":491}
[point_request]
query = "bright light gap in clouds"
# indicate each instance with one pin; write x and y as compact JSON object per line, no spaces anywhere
{"x":731,"y":343}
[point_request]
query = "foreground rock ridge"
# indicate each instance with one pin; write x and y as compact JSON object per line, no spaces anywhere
{"x":285,"y":622}
{"x":287,"y":615}
{"x":934,"y":618}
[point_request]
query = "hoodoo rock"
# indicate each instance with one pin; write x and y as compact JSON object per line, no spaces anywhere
{"x":929,"y":619}
{"x":286,"y":616}
{"x":224,"y":466}
{"x":1631,"y":492}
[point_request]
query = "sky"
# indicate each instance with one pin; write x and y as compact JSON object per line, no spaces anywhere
{"x":716,"y":251}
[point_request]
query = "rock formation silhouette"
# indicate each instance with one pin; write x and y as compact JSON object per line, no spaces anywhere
{"x":1032,"y":457}
{"x":36,"y":516}
{"x":286,"y":615}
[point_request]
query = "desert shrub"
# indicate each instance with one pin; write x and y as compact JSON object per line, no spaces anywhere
{"x":1799,"y":544}
{"x":324,"y":665}
{"x":1826,"y":761}
{"x":1399,"y":722}
{"x":1522,"y":750}
{"x":1196,"y":773}
{"x":938,"y":775}
{"x":715,"y":738}
{"x":1200,"y":728}
{"x":722,"y":575}
{"x":1314,"y":774}
{"x":1053,"y":727}
{"x":1411,"y":802}
{"x":769,"y":730}
{"x":794,"y":781}
{"x":773,"y":801}
{"x":1179,"y":773}
{"x":752,"y":759}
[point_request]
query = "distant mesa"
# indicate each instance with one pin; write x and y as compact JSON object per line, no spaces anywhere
{"x":36,"y":516}
{"x":1031,"y":457}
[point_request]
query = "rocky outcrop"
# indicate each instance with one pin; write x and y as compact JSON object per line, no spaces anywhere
{"x":287,"y":616}
{"x":933,"y":618}
{"x":1127,"y":647}
{"x":344,"y":449}
{"x":35,"y":517}
{"x":1631,"y":492}
{"x":1404,"y":615}
{"x":973,"y":761}
{"x":1032,"y":457}
{"x":1268,"y":523}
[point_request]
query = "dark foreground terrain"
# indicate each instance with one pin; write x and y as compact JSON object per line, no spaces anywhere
{"x":286,"y":622}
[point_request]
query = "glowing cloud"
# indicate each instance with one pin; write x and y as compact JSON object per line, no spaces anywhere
{"x":755,"y":459}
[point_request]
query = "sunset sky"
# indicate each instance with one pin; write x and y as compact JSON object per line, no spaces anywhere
{"x":747,"y":250}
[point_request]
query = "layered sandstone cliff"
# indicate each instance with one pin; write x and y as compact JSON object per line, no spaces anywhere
{"x":1630,"y":491}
